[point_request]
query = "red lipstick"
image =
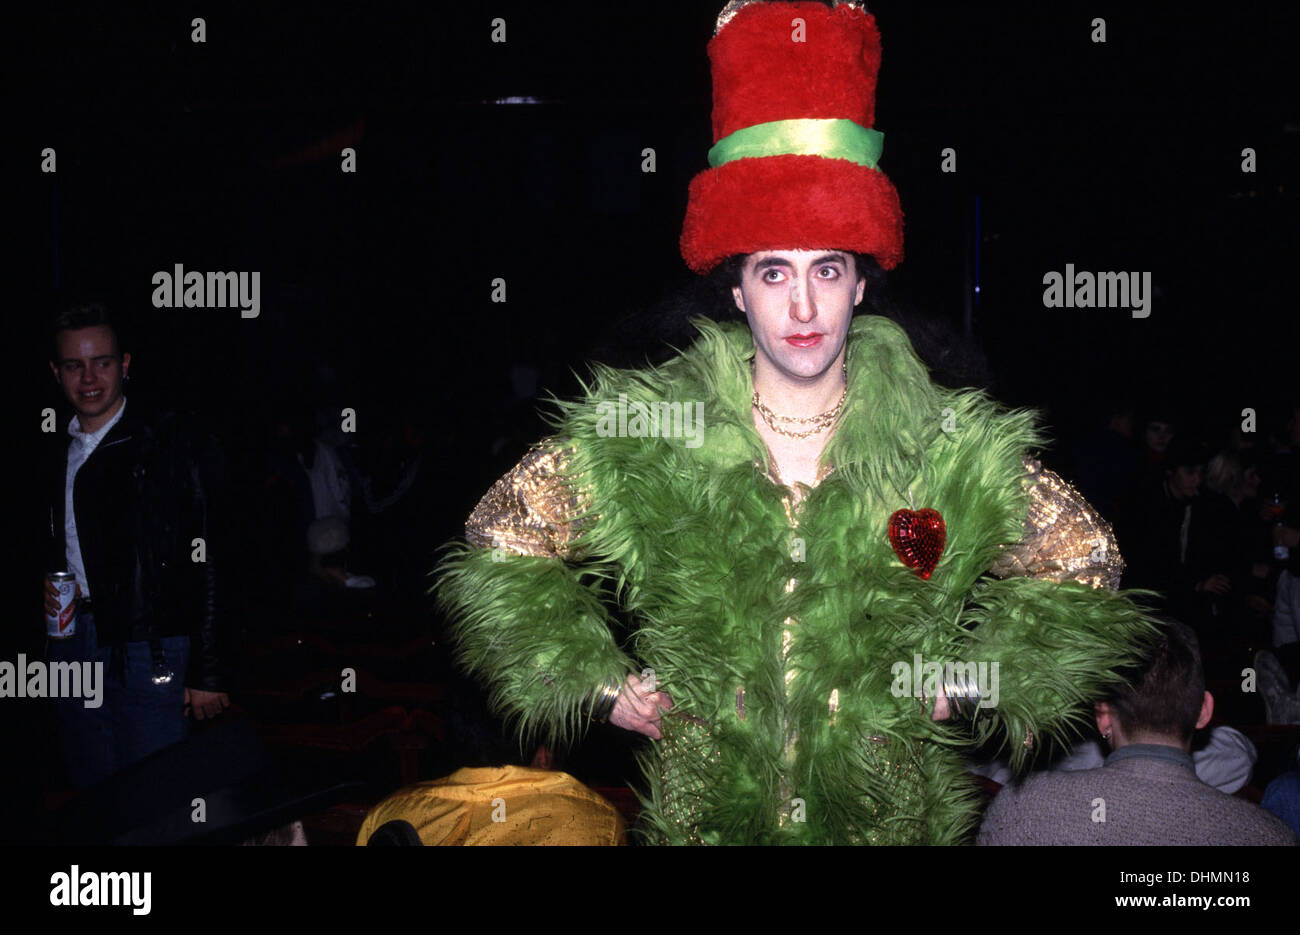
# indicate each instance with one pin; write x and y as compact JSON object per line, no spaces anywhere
{"x":804,"y":340}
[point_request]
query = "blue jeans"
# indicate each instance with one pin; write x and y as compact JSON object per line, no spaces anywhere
{"x":135,"y":719}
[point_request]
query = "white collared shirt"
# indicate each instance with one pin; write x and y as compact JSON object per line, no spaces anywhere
{"x":79,"y":449}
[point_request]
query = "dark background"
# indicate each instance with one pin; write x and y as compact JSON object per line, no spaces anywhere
{"x":376,"y":286}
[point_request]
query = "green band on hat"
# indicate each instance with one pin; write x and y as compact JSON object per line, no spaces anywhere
{"x":833,"y":138}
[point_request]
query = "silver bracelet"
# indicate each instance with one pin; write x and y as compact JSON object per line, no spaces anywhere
{"x":603,"y":700}
{"x":963,"y":695}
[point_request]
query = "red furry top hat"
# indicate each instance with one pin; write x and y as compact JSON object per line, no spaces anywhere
{"x":793,"y":166}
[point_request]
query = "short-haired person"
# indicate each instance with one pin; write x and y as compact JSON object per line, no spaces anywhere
{"x":129,"y":492}
{"x":1147,"y":791}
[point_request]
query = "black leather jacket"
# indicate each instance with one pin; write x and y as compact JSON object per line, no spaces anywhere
{"x":141,"y":499}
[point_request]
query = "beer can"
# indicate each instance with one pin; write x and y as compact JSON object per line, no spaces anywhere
{"x":64,"y":624}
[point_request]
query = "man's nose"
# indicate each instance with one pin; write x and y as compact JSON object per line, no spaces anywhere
{"x":87,"y":374}
{"x":801,"y":303}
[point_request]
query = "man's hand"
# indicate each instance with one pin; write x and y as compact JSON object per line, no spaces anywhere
{"x":941,"y":711}
{"x":201,"y":704}
{"x":52,"y":598}
{"x":640,"y":711}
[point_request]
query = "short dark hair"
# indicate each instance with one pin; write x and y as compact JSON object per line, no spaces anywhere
{"x":80,"y":315}
{"x":728,"y":274}
{"x":1166,"y":696}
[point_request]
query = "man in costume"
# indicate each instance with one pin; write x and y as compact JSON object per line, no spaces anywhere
{"x":795,"y":518}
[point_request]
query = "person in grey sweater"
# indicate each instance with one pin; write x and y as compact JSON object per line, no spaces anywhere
{"x":1147,"y":791}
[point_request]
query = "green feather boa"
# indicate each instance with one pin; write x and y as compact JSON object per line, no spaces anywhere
{"x":694,"y":543}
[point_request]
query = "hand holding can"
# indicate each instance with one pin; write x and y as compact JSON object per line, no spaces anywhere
{"x":61,"y":593}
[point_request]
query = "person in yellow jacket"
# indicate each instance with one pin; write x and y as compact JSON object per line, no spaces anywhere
{"x":499,"y":806}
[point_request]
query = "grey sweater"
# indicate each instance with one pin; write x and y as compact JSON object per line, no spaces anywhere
{"x":1143,"y":795}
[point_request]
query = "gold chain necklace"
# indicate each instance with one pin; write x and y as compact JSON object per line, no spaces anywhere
{"x":819,"y":422}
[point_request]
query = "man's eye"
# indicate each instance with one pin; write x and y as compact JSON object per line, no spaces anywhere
{"x":71,"y":366}
{"x":828,"y":269}
{"x":105,"y":364}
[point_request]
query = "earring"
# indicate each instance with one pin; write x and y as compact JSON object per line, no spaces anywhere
{"x":1106,"y":736}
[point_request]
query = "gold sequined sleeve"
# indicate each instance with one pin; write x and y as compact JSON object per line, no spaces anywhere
{"x":531,"y":510}
{"x":1065,"y":539}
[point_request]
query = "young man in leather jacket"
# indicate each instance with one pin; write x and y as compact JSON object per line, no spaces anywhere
{"x":130,"y":505}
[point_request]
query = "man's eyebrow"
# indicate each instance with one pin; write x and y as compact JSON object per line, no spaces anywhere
{"x":69,"y":360}
{"x":784,"y":263}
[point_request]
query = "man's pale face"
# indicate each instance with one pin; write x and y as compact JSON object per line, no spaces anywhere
{"x":799,"y":304}
{"x":90,"y":370}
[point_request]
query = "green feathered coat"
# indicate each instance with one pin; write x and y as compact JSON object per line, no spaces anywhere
{"x":793,"y":722}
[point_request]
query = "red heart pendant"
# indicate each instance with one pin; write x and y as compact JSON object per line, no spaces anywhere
{"x":918,"y":537}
